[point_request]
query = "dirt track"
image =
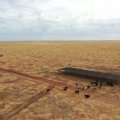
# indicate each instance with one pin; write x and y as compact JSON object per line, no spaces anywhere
{"x":38,"y":79}
{"x":26,"y":103}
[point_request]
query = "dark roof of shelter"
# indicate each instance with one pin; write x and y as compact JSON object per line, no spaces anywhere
{"x":89,"y":72}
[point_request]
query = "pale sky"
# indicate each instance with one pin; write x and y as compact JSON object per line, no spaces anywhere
{"x":59,"y":19}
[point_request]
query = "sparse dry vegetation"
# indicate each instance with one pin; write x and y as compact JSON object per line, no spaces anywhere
{"x":29,"y":67}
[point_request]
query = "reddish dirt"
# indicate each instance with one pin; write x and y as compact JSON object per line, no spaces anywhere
{"x":38,"y":79}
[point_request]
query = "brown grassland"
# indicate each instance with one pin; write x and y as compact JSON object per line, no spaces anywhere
{"x":27,"y":68}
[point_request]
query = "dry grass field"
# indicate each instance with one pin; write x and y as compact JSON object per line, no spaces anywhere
{"x":27,"y":68}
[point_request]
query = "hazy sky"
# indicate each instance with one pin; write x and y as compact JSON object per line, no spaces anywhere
{"x":59,"y":19}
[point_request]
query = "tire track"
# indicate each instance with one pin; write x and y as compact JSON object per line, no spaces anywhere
{"x":26,"y":103}
{"x":38,"y":79}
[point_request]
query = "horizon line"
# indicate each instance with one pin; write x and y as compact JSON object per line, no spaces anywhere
{"x":59,"y":40}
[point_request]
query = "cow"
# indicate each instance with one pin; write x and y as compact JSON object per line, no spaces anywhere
{"x":87,"y":96}
{"x":65,"y":88}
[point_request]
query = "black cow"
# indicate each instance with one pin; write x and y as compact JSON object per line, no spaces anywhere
{"x":87,"y":96}
{"x":88,"y":87}
{"x":65,"y":88}
{"x":110,"y":83}
{"x":77,"y":91}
